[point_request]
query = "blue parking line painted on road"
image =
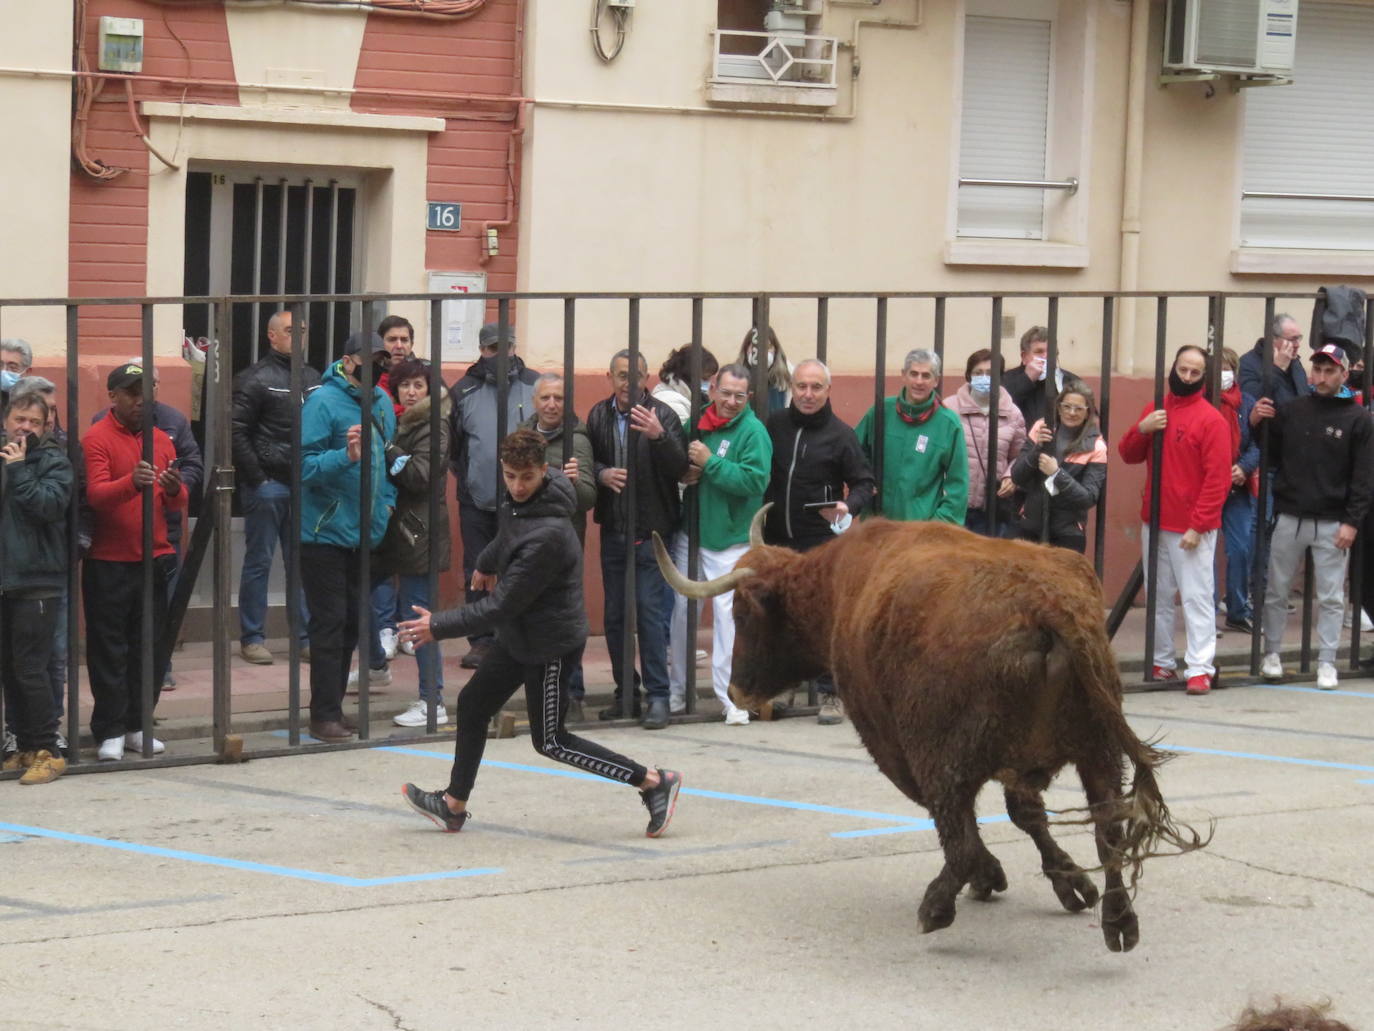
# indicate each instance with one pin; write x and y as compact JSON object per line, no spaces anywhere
{"x":1339,"y":692}
{"x":241,"y":864}
{"x":1291,"y":760}
{"x":723,"y":796}
{"x":911,"y":826}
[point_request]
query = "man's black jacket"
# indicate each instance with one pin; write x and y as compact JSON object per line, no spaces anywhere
{"x":262,"y":413}
{"x":814,"y":458}
{"x":658,"y":465}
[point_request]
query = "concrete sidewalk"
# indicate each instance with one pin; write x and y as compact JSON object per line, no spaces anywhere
{"x":260,"y":695}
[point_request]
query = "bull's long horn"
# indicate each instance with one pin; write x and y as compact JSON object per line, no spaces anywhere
{"x":756,"y":526}
{"x":692,"y":588}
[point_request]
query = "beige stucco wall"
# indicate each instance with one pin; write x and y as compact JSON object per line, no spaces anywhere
{"x":34,"y":177}
{"x":633,"y":183}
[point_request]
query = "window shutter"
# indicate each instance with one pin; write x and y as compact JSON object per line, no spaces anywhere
{"x":1315,"y":136}
{"x":1004,"y":125}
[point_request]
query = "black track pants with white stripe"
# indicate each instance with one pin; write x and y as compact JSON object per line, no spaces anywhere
{"x":496,"y":679}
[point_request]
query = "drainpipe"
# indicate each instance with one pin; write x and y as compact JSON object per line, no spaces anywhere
{"x":1133,"y":173}
{"x":512,"y":148}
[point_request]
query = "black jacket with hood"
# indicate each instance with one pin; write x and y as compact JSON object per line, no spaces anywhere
{"x":1326,"y":447}
{"x":474,"y":424}
{"x":536,"y":608}
{"x":33,"y":519}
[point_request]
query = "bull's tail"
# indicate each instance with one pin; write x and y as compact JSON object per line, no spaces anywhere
{"x":1150,"y":829}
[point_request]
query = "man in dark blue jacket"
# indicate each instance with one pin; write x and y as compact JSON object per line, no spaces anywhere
{"x":532,"y":572}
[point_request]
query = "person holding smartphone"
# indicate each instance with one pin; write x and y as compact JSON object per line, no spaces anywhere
{"x":820,"y":482}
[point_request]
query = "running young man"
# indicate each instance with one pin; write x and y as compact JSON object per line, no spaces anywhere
{"x":533,"y":570}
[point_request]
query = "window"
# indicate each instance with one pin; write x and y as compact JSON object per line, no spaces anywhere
{"x":766,"y":53}
{"x":1314,"y":138}
{"x":1005,"y":126}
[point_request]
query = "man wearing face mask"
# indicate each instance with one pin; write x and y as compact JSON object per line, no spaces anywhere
{"x":16,"y":359}
{"x":816,"y":459}
{"x":331,"y":518}
{"x":1026,"y":384}
{"x":1195,"y":475}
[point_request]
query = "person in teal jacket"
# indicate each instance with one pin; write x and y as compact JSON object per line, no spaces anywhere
{"x":331,"y":518}
{"x":925,"y":468}
{"x":731,"y":459}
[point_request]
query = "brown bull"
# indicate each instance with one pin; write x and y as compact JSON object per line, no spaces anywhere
{"x":961,"y":660}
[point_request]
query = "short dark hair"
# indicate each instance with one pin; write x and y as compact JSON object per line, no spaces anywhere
{"x":1206,"y":358}
{"x":1033,"y":336}
{"x":395,"y":322}
{"x":27,"y":401}
{"x":624,"y":352}
{"x":406,"y":368}
{"x":678,"y":365}
{"x":737,"y":370}
{"x":983,"y":354}
{"x":523,"y":449}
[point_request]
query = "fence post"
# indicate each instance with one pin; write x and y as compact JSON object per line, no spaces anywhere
{"x":222,"y":462}
{"x":1156,"y":463}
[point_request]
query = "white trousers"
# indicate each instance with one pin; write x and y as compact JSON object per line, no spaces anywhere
{"x":714,"y":564}
{"x":1292,"y":536}
{"x":680,"y":654}
{"x":1193,"y":576}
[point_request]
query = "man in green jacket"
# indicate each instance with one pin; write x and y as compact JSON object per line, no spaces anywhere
{"x":924,"y":473}
{"x":731,"y":459}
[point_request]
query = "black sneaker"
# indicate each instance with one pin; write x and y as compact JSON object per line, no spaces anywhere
{"x":432,"y":804}
{"x":661,"y":801}
{"x":1244,"y":624}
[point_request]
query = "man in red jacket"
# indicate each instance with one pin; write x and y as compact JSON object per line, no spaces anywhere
{"x":1195,"y":474}
{"x":112,"y":578}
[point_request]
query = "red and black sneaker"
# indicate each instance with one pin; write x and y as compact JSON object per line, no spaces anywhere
{"x":661,"y":801}
{"x":432,"y":805}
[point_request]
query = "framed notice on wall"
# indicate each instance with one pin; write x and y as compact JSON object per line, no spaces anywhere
{"x":462,"y":318}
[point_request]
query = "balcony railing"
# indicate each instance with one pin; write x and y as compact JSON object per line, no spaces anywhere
{"x":779,"y":58}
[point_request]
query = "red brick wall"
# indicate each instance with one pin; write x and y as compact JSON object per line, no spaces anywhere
{"x":468,"y":160}
{"x":108,"y":232}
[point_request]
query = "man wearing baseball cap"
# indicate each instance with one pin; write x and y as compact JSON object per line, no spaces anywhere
{"x":112,"y":576}
{"x":1324,"y":442}
{"x":331,"y":517}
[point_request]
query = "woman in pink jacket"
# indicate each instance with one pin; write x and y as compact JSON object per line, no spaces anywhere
{"x":972,"y":403}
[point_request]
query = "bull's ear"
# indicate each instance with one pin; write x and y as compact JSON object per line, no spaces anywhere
{"x":758,"y":600}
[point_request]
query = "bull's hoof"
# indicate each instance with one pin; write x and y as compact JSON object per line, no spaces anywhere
{"x":986,"y":881}
{"x":1075,"y":890}
{"x":935,"y":916}
{"x":1123,"y":933}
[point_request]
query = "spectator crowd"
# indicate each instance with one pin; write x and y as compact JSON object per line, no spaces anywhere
{"x":375,"y":446}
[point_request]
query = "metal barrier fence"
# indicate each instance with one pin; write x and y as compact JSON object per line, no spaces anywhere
{"x":212,"y":536}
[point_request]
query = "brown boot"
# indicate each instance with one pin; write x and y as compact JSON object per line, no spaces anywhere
{"x":44,"y":769}
{"x":330,"y":731}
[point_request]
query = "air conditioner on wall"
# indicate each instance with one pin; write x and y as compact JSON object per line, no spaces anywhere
{"x":1231,"y":37}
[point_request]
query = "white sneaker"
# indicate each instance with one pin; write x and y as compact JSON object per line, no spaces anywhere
{"x":418,"y":715}
{"x":389,"y":641}
{"x":379,"y":678}
{"x":111,"y":750}
{"x":1326,"y":676}
{"x":736,"y":717}
{"x":408,"y":647}
{"x":135,"y":741}
{"x":1270,"y":667}
{"x":1366,"y":624}
{"x":703,"y":656}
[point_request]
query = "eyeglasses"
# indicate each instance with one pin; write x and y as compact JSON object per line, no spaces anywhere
{"x":1073,"y":409}
{"x":732,"y":395}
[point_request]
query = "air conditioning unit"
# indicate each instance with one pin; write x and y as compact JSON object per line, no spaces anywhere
{"x":1231,"y":37}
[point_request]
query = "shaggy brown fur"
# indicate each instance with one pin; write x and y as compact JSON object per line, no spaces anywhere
{"x":962,"y":660}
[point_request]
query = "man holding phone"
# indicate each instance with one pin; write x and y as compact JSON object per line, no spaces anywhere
{"x":821,"y":481}
{"x":112,"y":577}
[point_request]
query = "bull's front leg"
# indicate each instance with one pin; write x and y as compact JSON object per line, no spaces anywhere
{"x":1102,"y":784}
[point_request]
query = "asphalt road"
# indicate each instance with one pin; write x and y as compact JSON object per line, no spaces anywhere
{"x":300,"y":892}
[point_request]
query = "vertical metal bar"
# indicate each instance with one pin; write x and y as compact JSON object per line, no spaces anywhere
{"x":308,"y":257}
{"x":691,"y":516}
{"x":939,"y":341}
{"x":629,"y":696}
{"x":763,"y":338}
{"x":223,"y":464}
{"x":76,"y":458}
{"x":822,"y":327}
{"x":990,"y":483}
{"x":1051,"y":389}
{"x":1259,"y":557}
{"x":438,"y":483}
{"x":365,"y":478}
{"x":282,"y":225}
{"x":148,"y":686}
{"x":296,"y":383}
{"x":569,"y":372}
{"x":1104,"y":393}
{"x":257,"y":264}
{"x":879,"y":405}
{"x":1156,"y":463}
{"x":503,"y":357}
{"x":333,"y":267}
{"x":1358,"y":586}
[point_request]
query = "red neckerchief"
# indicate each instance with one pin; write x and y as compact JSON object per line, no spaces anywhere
{"x":920,"y":417}
{"x":711,"y":420}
